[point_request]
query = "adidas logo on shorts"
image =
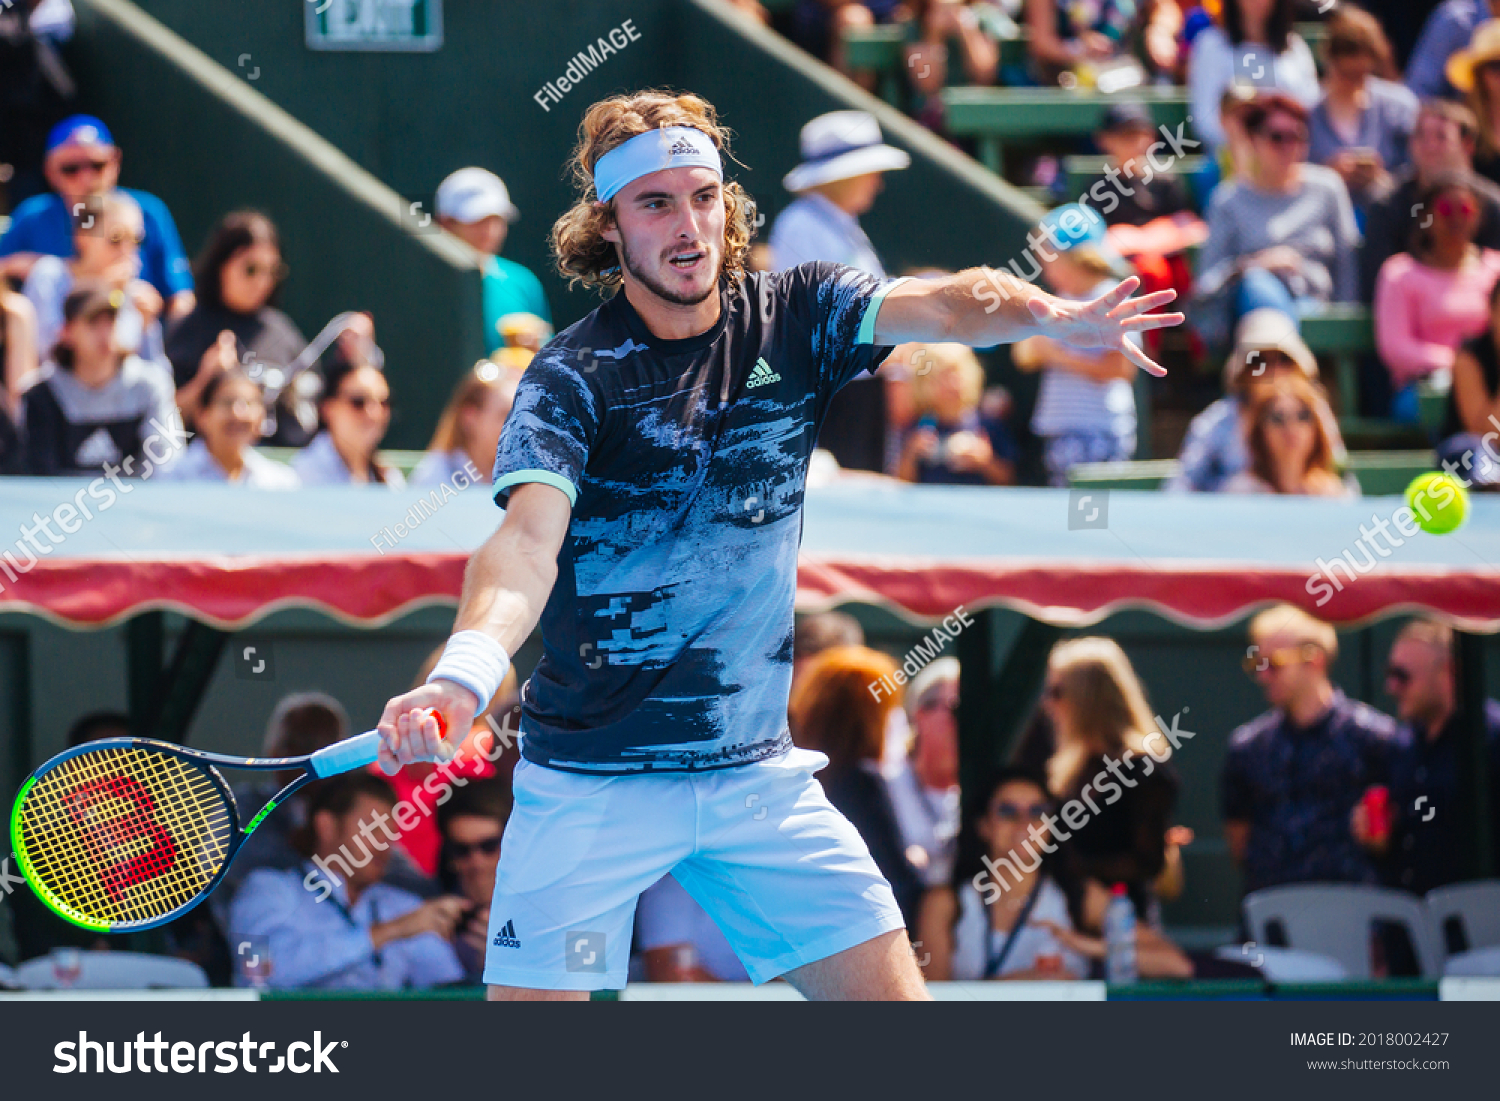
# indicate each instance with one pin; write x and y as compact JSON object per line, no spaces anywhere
{"x":681,"y":148}
{"x":506,"y":937}
{"x":761,"y":375}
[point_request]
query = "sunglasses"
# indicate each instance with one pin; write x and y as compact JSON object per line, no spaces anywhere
{"x":72,"y":168}
{"x":1281,"y":420}
{"x":1346,"y":47}
{"x":1398,"y":676}
{"x":1013,"y":812}
{"x":1262,"y":660}
{"x":459,"y":850}
{"x":233,"y":404}
{"x":126,"y":237}
{"x":277,"y":271}
{"x":1456,"y":208}
{"x":1283,"y":139}
{"x":358,"y":402}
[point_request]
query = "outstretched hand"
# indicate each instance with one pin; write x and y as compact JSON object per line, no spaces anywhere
{"x":1106,"y":322}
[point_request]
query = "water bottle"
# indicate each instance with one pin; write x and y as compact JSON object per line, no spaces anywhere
{"x":1119,"y":938}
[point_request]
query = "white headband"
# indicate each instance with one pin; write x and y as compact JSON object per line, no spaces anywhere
{"x":670,"y":147}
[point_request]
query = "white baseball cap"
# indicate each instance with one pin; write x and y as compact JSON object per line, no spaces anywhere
{"x":840,"y":145}
{"x":472,"y":194}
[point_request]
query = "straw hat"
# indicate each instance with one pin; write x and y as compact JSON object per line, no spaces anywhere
{"x":1483,"y":48}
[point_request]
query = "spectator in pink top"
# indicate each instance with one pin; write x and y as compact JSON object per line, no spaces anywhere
{"x":1432,"y":300}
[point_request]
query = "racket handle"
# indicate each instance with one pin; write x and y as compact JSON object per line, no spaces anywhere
{"x":357,"y":752}
{"x":346,"y":756}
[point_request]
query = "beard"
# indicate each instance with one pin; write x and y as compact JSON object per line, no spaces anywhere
{"x":631,"y":264}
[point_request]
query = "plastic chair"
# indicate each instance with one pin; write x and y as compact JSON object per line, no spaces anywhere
{"x":1464,"y":916}
{"x":112,"y":971}
{"x":1477,"y":963}
{"x":1337,"y":920}
{"x":1285,"y":964}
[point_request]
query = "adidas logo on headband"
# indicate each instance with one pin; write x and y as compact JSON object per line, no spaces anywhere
{"x":681,"y":148}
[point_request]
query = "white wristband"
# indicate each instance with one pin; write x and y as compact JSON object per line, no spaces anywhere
{"x":475,"y":661}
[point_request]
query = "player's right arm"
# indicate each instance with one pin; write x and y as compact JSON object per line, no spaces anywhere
{"x":506,"y":586}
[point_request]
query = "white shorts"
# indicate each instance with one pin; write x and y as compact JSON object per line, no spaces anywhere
{"x":782,"y":873}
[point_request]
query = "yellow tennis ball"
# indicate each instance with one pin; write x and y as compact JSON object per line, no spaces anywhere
{"x":1438,"y":501}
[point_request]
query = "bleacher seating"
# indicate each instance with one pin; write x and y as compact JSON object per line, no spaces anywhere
{"x":1380,"y":473}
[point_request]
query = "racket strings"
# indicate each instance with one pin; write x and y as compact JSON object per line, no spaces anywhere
{"x":125,"y":835}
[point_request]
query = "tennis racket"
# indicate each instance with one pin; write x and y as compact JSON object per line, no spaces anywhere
{"x":128,"y":833}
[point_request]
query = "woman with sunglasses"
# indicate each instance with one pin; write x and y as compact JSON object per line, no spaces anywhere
{"x":1431,"y":301}
{"x":353,"y":416}
{"x":1291,"y":449}
{"x":1253,"y":43}
{"x":986,"y":922}
{"x":1283,"y":234}
{"x":1361,"y":126}
{"x":472,"y":823}
{"x":1109,"y":754}
{"x":228,"y":420}
{"x":106,"y":249}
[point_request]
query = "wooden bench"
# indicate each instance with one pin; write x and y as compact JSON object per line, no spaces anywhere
{"x":996,"y":117}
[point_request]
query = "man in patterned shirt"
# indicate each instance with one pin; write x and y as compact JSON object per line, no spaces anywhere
{"x":1293,"y":776}
{"x":652,"y":473}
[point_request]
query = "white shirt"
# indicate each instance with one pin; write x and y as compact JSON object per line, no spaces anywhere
{"x":975,"y":941}
{"x":320,"y":464}
{"x":667,"y":915}
{"x":198,"y":465}
{"x":812,"y":228}
{"x":326,"y":944}
{"x":928,"y":819}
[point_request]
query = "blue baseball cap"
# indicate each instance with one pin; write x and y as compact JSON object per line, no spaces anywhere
{"x":79,"y":130}
{"x":1074,"y":225}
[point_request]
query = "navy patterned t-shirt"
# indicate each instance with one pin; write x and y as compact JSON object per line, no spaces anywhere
{"x":667,"y":638}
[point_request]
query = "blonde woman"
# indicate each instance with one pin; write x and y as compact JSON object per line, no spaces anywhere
{"x":1108,"y":769}
{"x":468,"y":432}
{"x":949,"y":443}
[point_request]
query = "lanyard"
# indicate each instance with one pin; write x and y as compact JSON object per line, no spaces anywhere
{"x":347,"y":916}
{"x":994,"y":963}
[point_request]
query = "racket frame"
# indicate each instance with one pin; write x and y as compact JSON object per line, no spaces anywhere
{"x":200,"y":758}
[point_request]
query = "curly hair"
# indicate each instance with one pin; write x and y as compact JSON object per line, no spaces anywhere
{"x":583,"y":255}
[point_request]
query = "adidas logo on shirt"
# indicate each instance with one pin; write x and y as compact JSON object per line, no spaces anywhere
{"x":506,"y":937}
{"x":681,"y":148}
{"x":97,"y":450}
{"x":761,"y":375}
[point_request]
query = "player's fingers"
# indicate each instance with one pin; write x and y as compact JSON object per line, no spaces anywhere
{"x":411,"y":745}
{"x":1120,"y":293}
{"x":1145,"y":303}
{"x":1152,"y":321}
{"x":387,"y":760}
{"x":1141,"y":359}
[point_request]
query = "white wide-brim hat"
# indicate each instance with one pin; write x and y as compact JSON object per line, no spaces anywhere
{"x":842,"y":144}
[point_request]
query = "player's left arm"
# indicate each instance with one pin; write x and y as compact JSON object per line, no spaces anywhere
{"x":982,"y":307}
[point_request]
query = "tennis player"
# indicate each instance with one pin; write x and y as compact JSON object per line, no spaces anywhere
{"x":652,"y":475}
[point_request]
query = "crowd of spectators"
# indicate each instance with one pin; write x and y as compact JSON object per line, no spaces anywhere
{"x":109,"y":337}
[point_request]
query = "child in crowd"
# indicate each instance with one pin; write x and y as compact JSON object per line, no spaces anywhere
{"x":950,"y":442}
{"x":1085,"y":407}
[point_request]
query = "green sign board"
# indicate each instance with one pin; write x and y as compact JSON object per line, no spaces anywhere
{"x":415,"y":25}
